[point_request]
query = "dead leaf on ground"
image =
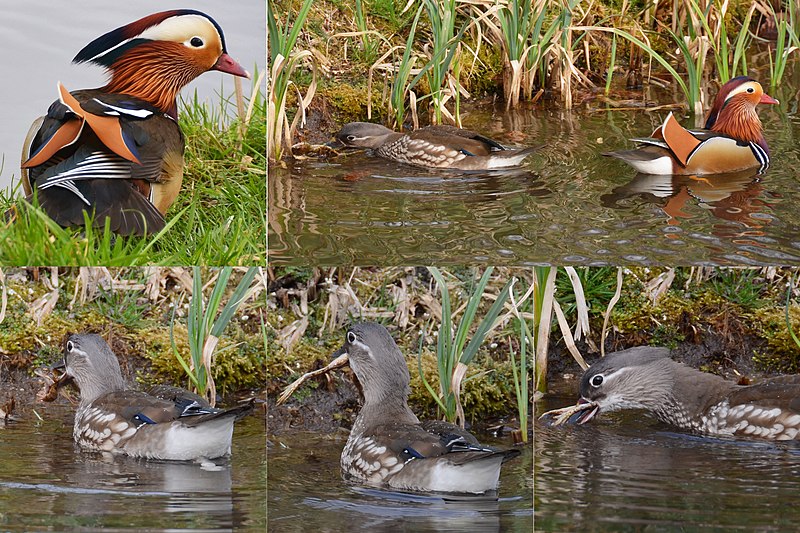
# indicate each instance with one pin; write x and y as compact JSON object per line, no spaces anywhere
{"x":7,"y":409}
{"x":51,"y":381}
{"x":291,"y":334}
{"x":43,"y":306}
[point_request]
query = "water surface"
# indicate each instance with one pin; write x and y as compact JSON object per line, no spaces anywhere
{"x":39,"y":38}
{"x":627,"y":472}
{"x":48,"y":484}
{"x":566,"y":205}
{"x":306,"y":493}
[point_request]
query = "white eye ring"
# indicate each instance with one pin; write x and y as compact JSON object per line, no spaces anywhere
{"x":196,"y":42}
{"x":596,"y":381}
{"x":351,"y":137}
{"x":70,"y":346}
{"x":351,"y":337}
{"x":751,"y":90}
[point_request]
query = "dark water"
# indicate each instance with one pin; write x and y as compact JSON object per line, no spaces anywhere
{"x":47,"y":484}
{"x":567,"y":205}
{"x":626,"y":472}
{"x":306,"y":493}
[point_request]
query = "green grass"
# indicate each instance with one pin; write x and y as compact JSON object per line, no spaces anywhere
{"x":740,"y":286}
{"x":219,"y":217}
{"x":391,"y":12}
{"x":127,"y":308}
{"x":599,"y":285}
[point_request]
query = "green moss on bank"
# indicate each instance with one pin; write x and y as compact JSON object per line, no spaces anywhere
{"x":31,"y":338}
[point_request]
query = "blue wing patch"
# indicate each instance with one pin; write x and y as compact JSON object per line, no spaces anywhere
{"x":413,"y":453}
{"x":144,"y":419}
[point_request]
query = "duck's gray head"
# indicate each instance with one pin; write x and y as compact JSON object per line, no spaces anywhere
{"x":377,"y":361}
{"x":635,"y":378}
{"x":363,"y":135}
{"x":94,"y":367}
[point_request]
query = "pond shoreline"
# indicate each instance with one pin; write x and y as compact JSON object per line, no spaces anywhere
{"x":20,"y":389}
{"x":332,"y":406}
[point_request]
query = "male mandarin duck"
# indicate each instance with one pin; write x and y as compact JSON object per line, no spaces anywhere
{"x":732,"y":140}
{"x":117,"y":151}
{"x":388,"y":445}
{"x":168,"y":423}
{"x":433,"y":147}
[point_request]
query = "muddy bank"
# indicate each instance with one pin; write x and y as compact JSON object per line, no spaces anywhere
{"x":140,"y":312}
{"x":331,"y":403}
{"x":731,"y":322}
{"x":334,"y":406}
{"x":729,"y":357}
{"x":328,"y":409}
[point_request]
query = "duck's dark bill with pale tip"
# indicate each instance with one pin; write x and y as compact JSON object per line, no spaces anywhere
{"x":573,"y":414}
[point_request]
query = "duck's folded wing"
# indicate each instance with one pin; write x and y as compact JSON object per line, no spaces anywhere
{"x":427,"y":440}
{"x":138,"y":407}
{"x":88,"y":176}
{"x":452,"y":131}
{"x":141,"y":408}
{"x":769,"y":410}
{"x":782,"y":393}
{"x":681,"y":142}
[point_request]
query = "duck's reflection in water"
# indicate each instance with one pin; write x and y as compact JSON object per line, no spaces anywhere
{"x":738,"y":197}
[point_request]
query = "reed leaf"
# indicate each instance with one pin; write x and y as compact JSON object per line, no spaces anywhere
{"x":544,"y":281}
{"x":284,"y":60}
{"x":204,"y":327}
{"x":400,"y":86}
{"x":787,"y":34}
{"x":521,"y":379}
{"x":611,"y":62}
{"x":452,"y":357}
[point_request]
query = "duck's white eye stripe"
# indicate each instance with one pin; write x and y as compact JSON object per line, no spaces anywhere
{"x":363,"y":347}
{"x":177,"y":28}
{"x":749,"y":87}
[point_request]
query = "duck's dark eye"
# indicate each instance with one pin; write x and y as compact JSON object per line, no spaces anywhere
{"x":596,"y":381}
{"x":351,"y":138}
{"x":351,"y":337}
{"x":70,"y":346}
{"x":751,"y":90}
{"x":197,"y":42}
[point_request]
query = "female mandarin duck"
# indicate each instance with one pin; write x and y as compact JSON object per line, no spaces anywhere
{"x":433,"y":147}
{"x":389,"y":446}
{"x":117,"y":151}
{"x":731,"y":141}
{"x":169,"y":423}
